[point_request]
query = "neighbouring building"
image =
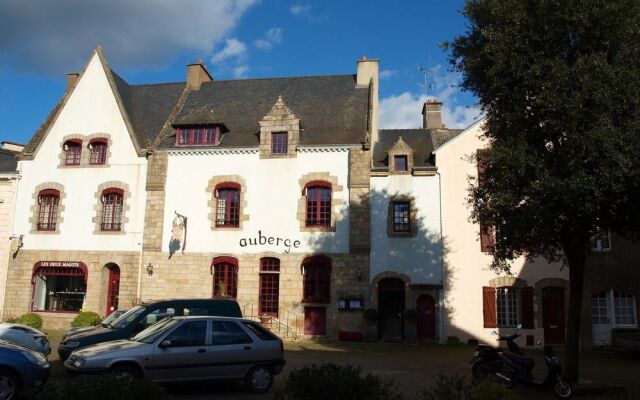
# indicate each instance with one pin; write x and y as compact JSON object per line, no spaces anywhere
{"x":9,"y":178}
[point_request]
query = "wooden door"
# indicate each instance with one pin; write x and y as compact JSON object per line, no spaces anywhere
{"x":113,"y":290}
{"x":553,"y":315}
{"x":426,"y":323}
{"x":268,"y":294}
{"x":315,"y":320}
{"x":391,"y":309}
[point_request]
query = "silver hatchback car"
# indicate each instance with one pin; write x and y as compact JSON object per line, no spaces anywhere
{"x":189,"y":348}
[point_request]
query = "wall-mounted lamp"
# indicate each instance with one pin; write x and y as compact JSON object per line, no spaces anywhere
{"x":359,"y":274}
{"x":150,"y":269}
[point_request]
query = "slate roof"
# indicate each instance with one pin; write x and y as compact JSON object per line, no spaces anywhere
{"x":8,"y":161}
{"x":148,"y":106}
{"x":422,"y":141}
{"x":331,"y":109}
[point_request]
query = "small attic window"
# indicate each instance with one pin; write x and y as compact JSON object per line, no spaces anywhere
{"x":400,"y":163}
{"x":198,"y":135}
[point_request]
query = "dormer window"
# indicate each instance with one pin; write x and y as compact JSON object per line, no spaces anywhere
{"x":98,"y":152}
{"x":73,"y":150}
{"x":279,"y":143}
{"x":400,"y":163}
{"x":198,"y":135}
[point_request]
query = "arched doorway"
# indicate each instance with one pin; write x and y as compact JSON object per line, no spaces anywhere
{"x":113,"y":288}
{"x":391,"y":308}
{"x":426,"y":324}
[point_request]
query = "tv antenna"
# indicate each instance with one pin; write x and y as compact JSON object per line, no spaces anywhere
{"x":425,"y":85}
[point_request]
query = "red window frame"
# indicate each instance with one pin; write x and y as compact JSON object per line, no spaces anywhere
{"x":318,"y":204}
{"x":73,"y":152}
{"x":48,"y":201}
{"x":227,"y":205}
{"x":279,"y":143}
{"x":269,"y":289}
{"x":112,"y":206}
{"x":98,"y":151}
{"x":316,"y":282}
{"x":198,"y":135}
{"x":225,"y":272}
{"x":402,"y":216}
{"x":400,"y":163}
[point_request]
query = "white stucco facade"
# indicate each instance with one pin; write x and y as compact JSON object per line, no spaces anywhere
{"x":272,"y":194}
{"x":418,"y":257}
{"x":90,"y":110}
{"x":466,"y":266}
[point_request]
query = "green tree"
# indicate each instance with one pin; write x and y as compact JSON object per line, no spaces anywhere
{"x":559,"y":83}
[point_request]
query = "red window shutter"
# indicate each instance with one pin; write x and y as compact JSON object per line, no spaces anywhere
{"x":489,"y":307}
{"x":526,"y":299}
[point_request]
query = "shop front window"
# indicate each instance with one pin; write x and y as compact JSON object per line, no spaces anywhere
{"x":59,"y":288}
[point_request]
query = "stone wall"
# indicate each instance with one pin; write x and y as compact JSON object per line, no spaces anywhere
{"x":154,"y":209}
{"x":19,"y":288}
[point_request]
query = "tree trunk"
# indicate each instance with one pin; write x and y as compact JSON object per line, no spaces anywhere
{"x":575,"y":259}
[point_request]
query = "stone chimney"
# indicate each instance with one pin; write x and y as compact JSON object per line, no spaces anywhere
{"x":368,"y":75}
{"x":432,"y":115}
{"x":197,"y":74}
{"x":72,"y":79}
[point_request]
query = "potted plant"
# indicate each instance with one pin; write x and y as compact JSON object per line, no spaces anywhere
{"x":370,"y":316}
{"x":410,"y":328}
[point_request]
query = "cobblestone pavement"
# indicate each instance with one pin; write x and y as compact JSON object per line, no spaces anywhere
{"x":411,"y":367}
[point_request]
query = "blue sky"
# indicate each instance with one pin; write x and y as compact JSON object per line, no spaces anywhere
{"x":149,"y":41}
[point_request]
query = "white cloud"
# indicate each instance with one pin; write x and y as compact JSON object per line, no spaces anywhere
{"x":405,"y":110}
{"x":300,"y":10}
{"x":387,"y":73}
{"x":240,"y":72}
{"x":233,"y":49}
{"x":58,"y":36}
{"x":272,"y":37}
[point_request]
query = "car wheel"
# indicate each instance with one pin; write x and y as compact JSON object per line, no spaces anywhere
{"x":9,"y":385}
{"x":259,"y":379}
{"x":125,"y":372}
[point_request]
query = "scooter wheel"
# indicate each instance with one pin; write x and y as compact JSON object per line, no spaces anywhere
{"x":562,"y":389}
{"x":481,"y":370}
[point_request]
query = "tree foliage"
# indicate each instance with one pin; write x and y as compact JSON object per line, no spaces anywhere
{"x":559,"y":83}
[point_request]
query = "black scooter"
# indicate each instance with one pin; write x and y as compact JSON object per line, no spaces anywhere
{"x":514,"y":368}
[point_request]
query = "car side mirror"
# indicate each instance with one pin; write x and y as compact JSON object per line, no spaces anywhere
{"x":164,"y":344}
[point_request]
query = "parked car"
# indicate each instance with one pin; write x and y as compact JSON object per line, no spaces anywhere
{"x":187,"y":349}
{"x":105,"y":322}
{"x":21,"y":370}
{"x":144,"y":315}
{"x":26,"y":336}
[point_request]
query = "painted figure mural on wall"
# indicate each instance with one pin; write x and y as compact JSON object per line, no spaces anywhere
{"x":178,"y":234}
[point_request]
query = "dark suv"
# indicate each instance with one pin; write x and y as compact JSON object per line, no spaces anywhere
{"x":145,"y":315}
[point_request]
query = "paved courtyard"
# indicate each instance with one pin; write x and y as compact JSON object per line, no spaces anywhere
{"x":412,"y":367}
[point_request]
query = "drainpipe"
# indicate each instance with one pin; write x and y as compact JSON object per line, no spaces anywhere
{"x":139,"y":271}
{"x":443,"y":313}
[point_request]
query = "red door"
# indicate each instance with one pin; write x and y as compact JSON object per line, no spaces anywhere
{"x":114,"y":288}
{"x":315,"y":320}
{"x":553,"y":315}
{"x":426,"y":318}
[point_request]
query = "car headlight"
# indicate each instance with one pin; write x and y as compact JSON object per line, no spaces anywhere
{"x":78,"y":362}
{"x":36,"y":358}
{"x":71,"y":345}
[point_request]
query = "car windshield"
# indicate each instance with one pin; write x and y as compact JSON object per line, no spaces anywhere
{"x":152,"y":333}
{"x":112,"y":317}
{"x":126,"y":318}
